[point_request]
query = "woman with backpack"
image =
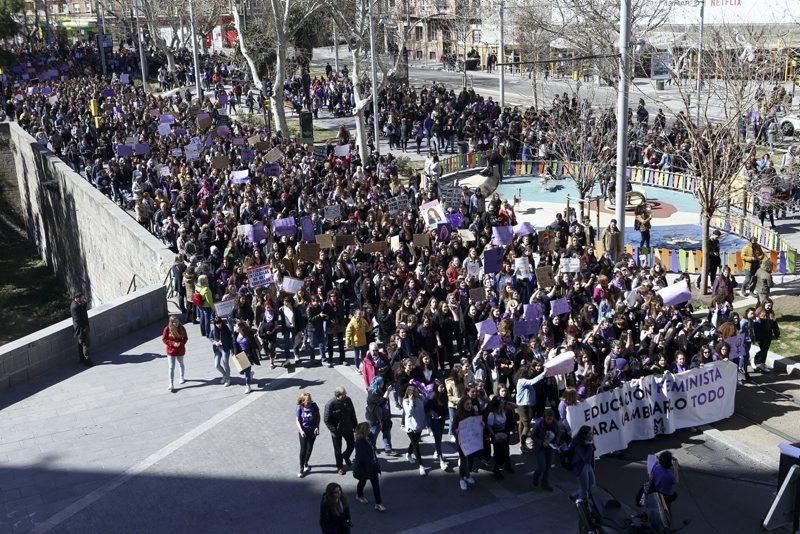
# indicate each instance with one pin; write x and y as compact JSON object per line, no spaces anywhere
{"x":378,"y":414}
{"x":366,"y":466}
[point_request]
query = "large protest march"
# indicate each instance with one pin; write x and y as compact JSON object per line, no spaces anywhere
{"x":463,"y":321}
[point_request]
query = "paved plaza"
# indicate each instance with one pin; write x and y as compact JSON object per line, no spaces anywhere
{"x":109,"y":449}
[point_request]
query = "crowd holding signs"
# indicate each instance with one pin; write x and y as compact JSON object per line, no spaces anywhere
{"x":327,"y":251}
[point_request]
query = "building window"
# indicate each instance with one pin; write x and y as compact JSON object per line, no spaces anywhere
{"x":418,"y":33}
{"x":432,"y":31}
{"x":76,"y":8}
{"x":88,"y":7}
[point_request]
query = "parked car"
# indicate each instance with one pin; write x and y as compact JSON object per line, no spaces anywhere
{"x":789,"y":124}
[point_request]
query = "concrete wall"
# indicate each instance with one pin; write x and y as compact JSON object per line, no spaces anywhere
{"x":89,"y":242}
{"x":55,"y":346}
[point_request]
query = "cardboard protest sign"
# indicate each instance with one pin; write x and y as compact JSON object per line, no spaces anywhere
{"x":333,"y":212}
{"x":467,"y":235}
{"x":477,"y":294}
{"x":341,"y":150}
{"x":377,"y":246}
{"x":343,"y":240}
{"x":559,"y":306}
{"x":224,"y":308}
{"x":560,"y":365}
{"x":398,"y":204}
{"x":309,"y":251}
{"x":284,"y":227}
{"x":544,"y":277}
{"x":737,"y":346}
{"x":422,"y":240}
{"x":492,"y":259}
{"x":261,"y":146}
{"x":273,"y":155}
{"x":253,"y":140}
{"x":452,"y":196}
{"x":522,"y":267}
{"x":433,"y":214}
{"x":258,"y":276}
{"x":240,"y":177}
{"x":394,"y":243}
{"x":570,"y":265}
{"x":163,"y":170}
{"x":220,"y":162}
{"x":325,"y":240}
{"x":203,"y":121}
{"x":470,"y":434}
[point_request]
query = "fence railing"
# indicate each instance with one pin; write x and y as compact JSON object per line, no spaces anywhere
{"x":728,"y":221}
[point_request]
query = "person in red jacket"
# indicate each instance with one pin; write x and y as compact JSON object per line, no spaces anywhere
{"x":175,"y":338}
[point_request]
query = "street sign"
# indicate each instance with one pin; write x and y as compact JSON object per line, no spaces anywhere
{"x":661,"y":66}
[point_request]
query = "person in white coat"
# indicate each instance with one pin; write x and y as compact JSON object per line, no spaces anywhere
{"x":414,"y":422}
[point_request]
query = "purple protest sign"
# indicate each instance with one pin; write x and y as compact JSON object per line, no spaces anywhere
{"x":141,"y":149}
{"x":523,"y":228}
{"x":308,"y":229}
{"x":491,"y":342}
{"x":284,"y":227}
{"x":257,"y":232}
{"x":223,"y":131}
{"x":486,"y":327}
{"x":272,"y":169}
{"x":124,"y":151}
{"x":533,"y":312}
{"x":155,"y":112}
{"x":107,"y":93}
{"x":443,"y":233}
{"x":502,"y":235}
{"x":247,"y":155}
{"x":223,"y":99}
{"x":238,"y":141}
{"x":491,"y":260}
{"x":559,"y":306}
{"x":526,"y":328}
{"x":456,"y":219}
{"x":675,"y":294}
{"x":166,"y":118}
{"x":180,"y":131}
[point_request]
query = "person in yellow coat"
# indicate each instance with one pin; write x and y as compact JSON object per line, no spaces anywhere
{"x":355,"y":335}
{"x":752,"y":254}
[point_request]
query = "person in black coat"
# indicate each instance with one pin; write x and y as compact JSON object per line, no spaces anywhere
{"x":222,"y":345}
{"x":80,"y":324}
{"x":366,"y":466}
{"x":340,"y":418}
{"x":334,"y":512}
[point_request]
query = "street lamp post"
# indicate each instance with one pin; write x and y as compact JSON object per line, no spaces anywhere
{"x":101,"y":45}
{"x":335,"y":49}
{"x":142,"y":59}
{"x":195,"y":58}
{"x":622,"y":117}
{"x":700,"y":57}
{"x":502,"y":57}
{"x":376,"y":128}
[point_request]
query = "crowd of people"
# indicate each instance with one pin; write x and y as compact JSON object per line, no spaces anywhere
{"x":446,"y":321}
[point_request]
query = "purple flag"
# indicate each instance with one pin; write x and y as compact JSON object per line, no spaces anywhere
{"x":455,"y":219}
{"x":502,"y":235}
{"x":308,"y":229}
{"x":491,"y":260}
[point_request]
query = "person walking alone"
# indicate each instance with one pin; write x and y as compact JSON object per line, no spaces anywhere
{"x":340,"y":418}
{"x":80,"y":324}
{"x":175,"y":337}
{"x":366,"y":467}
{"x":307,"y":420}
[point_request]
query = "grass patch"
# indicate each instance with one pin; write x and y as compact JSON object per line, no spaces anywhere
{"x":787,"y":311}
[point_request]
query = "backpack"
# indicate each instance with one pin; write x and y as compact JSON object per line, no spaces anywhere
{"x":197,"y":299}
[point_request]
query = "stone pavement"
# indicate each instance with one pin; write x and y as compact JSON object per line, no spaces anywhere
{"x":110,"y":449}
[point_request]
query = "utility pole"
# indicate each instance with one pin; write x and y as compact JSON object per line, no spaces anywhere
{"x":700,"y":57}
{"x":502,"y":57}
{"x":622,"y":116}
{"x":196,"y":59}
{"x":376,"y":128}
{"x":142,"y":58}
{"x":335,"y":49}
{"x":101,"y":45}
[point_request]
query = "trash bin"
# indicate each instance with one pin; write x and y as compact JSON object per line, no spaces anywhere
{"x":790,"y":455}
{"x":659,"y":85}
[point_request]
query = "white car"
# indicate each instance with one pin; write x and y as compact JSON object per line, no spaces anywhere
{"x":789,"y":124}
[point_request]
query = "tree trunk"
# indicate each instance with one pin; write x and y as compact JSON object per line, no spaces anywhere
{"x":582,"y":202}
{"x":278,"y":113}
{"x":705,"y":226}
{"x":361,"y":104}
{"x":251,"y":64}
